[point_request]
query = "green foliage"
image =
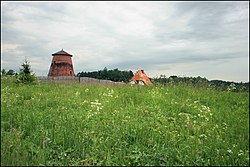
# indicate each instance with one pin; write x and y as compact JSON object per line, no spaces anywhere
{"x":77,"y":124}
{"x":125,"y":76}
{"x":203,"y":82}
{"x":3,"y":72}
{"x":113,"y":75}
{"x":10,"y":72}
{"x":25,"y":76}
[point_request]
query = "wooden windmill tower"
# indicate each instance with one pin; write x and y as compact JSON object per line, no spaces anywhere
{"x":61,"y":64}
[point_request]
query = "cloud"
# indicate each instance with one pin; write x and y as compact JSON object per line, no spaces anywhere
{"x":155,"y":36}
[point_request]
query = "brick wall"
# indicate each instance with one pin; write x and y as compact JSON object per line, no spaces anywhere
{"x":61,"y":65}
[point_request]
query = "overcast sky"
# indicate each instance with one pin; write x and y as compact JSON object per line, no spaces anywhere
{"x":207,"y":39}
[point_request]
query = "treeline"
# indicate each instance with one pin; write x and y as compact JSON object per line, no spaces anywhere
{"x":9,"y":72}
{"x":25,"y":76}
{"x":125,"y":76}
{"x":113,"y":75}
{"x":203,"y":82}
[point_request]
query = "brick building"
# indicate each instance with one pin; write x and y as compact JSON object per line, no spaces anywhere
{"x":61,"y":64}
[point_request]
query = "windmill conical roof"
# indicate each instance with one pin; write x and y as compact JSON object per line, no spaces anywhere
{"x":61,"y":52}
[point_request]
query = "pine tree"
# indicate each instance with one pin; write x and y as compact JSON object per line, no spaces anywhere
{"x":25,"y":75}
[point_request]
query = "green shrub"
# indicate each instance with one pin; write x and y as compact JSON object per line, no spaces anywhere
{"x":25,"y":76}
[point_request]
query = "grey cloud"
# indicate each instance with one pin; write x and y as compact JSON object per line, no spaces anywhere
{"x":206,"y":20}
{"x":155,"y":36}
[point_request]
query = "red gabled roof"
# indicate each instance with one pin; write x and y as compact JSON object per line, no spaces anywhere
{"x":141,"y":76}
{"x":61,"y":52}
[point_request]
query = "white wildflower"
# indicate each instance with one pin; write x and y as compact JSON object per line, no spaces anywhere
{"x":96,"y":105}
{"x":197,"y":101}
{"x":203,"y":136}
{"x":240,"y":153}
{"x":230,"y":151}
{"x":77,"y":93}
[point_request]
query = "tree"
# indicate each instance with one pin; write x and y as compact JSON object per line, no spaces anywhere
{"x":10,"y":72}
{"x":3,"y":72}
{"x":113,"y":75}
{"x":105,"y":73}
{"x":25,"y":75}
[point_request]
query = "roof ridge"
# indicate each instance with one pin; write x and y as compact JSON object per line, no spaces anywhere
{"x":61,"y":52}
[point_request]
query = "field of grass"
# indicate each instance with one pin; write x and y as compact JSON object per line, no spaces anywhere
{"x":76,"y":124}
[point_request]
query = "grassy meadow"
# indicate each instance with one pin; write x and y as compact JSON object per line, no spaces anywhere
{"x":77,"y":124}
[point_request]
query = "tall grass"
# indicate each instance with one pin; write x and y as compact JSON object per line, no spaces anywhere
{"x":73,"y":124}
